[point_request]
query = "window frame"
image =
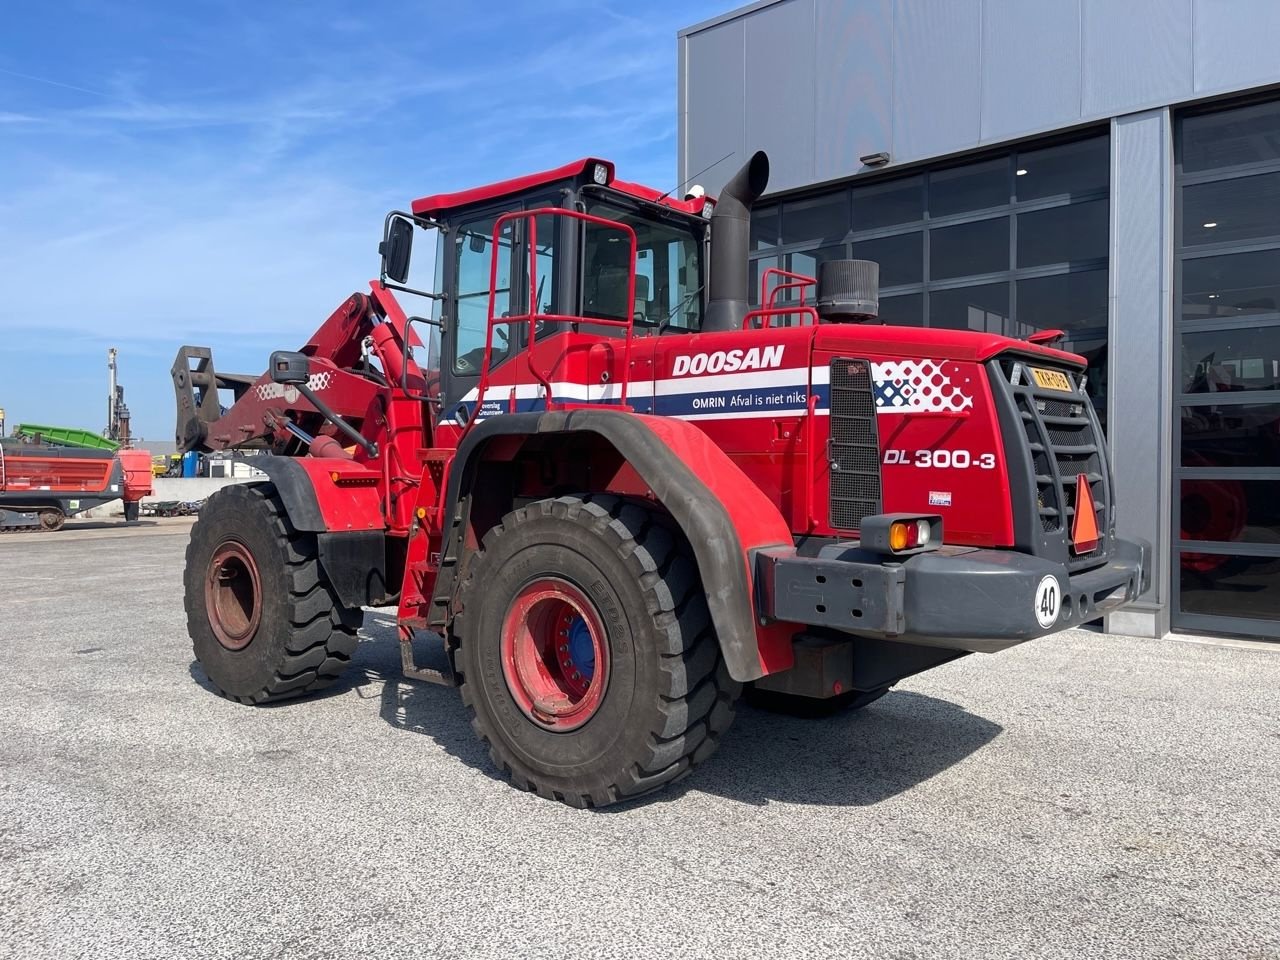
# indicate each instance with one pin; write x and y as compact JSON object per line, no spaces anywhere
{"x":1184,"y":253}
{"x":455,"y":383}
{"x":696,"y":228}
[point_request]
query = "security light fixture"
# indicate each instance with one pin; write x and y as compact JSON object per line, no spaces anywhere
{"x":1020,"y":172}
{"x":1210,"y":225}
{"x":875,"y":159}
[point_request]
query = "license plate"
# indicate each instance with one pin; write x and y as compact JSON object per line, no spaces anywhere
{"x":1051,"y":380}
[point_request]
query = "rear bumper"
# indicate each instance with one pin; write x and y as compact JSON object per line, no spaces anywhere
{"x":957,"y":597}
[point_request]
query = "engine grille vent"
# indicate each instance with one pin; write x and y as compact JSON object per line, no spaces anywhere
{"x":1064,"y":441}
{"x":853,"y":452}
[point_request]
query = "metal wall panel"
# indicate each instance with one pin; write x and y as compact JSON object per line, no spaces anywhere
{"x":713,"y":114}
{"x":1235,"y":44}
{"x":780,"y":91}
{"x":1140,"y":344}
{"x":853,"y":98}
{"x":1136,"y":54}
{"x":1031,"y":66}
{"x":926,"y":78}
{"x":937,"y":52}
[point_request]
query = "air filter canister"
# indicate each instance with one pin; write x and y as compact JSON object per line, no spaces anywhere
{"x":848,"y":291}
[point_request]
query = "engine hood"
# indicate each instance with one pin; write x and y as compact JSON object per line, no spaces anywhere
{"x":934,"y":342}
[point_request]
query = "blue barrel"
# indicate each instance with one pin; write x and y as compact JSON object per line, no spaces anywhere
{"x":190,"y":463}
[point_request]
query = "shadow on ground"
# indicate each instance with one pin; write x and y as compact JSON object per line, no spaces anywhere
{"x":851,"y":759}
{"x":75,"y":525}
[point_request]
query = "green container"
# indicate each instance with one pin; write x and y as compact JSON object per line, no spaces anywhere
{"x":65,"y":437}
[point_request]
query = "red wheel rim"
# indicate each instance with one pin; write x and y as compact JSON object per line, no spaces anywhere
{"x":555,"y":655}
{"x":233,"y":595}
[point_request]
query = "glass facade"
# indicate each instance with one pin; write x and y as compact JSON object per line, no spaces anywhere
{"x":1227,"y":370}
{"x":1009,"y":244}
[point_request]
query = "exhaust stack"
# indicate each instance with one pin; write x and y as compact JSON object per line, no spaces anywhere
{"x":729,"y":287}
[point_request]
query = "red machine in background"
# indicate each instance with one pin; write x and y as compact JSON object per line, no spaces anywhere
{"x":619,"y":493}
{"x":42,"y":484}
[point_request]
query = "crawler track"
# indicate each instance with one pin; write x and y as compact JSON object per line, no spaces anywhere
{"x":47,"y":521}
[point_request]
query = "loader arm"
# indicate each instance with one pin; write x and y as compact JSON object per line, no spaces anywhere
{"x":261,"y":411}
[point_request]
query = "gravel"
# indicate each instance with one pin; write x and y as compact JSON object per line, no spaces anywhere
{"x":1084,"y":795}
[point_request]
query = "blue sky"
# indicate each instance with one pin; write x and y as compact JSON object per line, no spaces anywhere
{"x":215,"y":172}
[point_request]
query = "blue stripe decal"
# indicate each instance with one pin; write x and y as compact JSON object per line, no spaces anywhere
{"x":760,"y":401}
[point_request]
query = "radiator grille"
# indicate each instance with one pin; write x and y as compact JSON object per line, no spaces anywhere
{"x":853,"y":453}
{"x":1063,"y":438}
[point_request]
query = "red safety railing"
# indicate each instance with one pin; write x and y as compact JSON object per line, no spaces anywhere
{"x":768,"y":297}
{"x":533,"y":318}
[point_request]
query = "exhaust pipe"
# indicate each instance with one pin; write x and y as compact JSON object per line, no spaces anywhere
{"x":729,"y":286}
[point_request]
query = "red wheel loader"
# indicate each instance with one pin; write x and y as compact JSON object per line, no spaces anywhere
{"x":616,"y":493}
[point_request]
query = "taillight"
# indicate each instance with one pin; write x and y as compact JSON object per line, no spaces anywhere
{"x":901,"y":533}
{"x":906,"y":534}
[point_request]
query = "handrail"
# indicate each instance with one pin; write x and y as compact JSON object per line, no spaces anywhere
{"x":795,"y":280}
{"x":765,"y":313}
{"x":768,"y":298}
{"x":533,"y":318}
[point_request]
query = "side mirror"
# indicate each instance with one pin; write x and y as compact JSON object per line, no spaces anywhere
{"x":396,"y":248}
{"x":289,"y":367}
{"x":423,"y":349}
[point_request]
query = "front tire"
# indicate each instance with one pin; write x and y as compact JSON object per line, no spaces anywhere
{"x":265,"y":623}
{"x":586,"y":652}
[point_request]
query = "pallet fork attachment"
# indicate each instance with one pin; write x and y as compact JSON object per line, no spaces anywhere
{"x":196,"y":385}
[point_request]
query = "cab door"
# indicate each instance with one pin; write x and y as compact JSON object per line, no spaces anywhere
{"x":469,"y":275}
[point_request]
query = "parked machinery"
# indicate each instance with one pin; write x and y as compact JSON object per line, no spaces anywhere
{"x":50,"y":473}
{"x":619,"y":493}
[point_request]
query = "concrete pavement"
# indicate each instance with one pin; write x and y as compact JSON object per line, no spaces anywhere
{"x":1083,"y":795}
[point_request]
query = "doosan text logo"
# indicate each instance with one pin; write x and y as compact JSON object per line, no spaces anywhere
{"x":727,"y":361}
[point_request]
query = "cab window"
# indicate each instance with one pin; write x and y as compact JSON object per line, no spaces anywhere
{"x":668,"y":271}
{"x":473,"y":251}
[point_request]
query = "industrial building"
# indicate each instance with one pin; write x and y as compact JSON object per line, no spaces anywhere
{"x":1109,"y":169}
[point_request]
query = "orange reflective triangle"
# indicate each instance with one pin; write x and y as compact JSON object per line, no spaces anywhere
{"x":1084,"y":528}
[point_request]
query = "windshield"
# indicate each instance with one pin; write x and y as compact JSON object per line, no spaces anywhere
{"x":668,"y":270}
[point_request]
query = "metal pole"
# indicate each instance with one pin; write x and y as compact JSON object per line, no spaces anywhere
{"x":111,"y":393}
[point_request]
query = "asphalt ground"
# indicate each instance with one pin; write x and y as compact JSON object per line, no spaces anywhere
{"x":1080,"y":796}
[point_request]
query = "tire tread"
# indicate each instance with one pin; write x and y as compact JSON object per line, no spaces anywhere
{"x":322,"y":633}
{"x":697,"y":706}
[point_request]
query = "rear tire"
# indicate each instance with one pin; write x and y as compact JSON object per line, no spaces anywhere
{"x":265,"y":623}
{"x":645,"y":697}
